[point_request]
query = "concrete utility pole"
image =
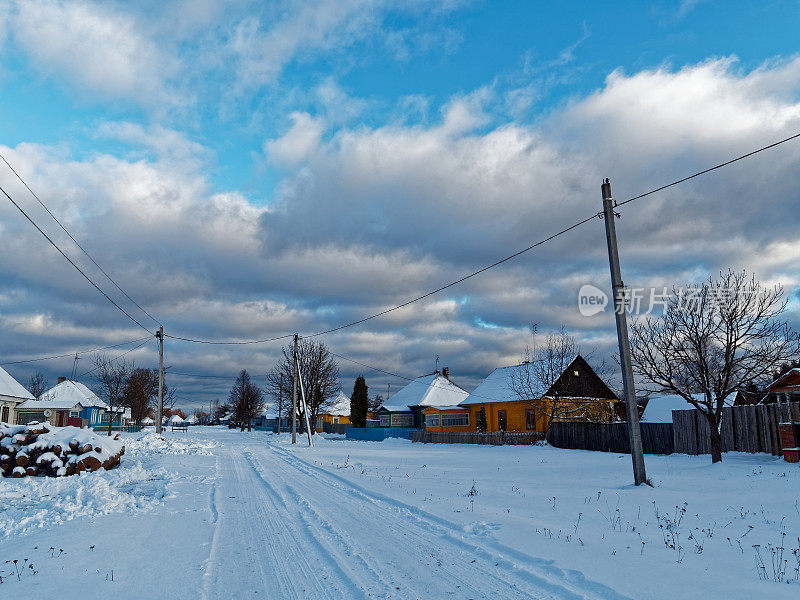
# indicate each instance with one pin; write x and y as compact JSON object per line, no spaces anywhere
{"x":280,"y":401}
{"x":305,"y":404}
{"x":294,"y":394}
{"x":160,"y":406}
{"x":618,"y":290}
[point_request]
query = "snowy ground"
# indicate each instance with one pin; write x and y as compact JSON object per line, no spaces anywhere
{"x":213,"y":513}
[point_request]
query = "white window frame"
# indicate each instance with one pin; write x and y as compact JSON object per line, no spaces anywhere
{"x":402,"y":420}
{"x":452,"y":416}
{"x":432,"y":420}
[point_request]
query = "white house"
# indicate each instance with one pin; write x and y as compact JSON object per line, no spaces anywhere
{"x":12,"y":393}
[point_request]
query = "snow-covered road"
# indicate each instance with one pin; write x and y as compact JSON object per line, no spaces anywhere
{"x":212,"y":513}
{"x":286,"y":529}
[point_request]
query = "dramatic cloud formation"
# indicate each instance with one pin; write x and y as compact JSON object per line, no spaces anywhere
{"x":367,"y":214}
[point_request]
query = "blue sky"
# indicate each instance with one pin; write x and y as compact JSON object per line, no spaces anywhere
{"x":562,"y":50}
{"x":251,"y":168}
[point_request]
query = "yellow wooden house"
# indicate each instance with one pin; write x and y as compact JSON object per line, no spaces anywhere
{"x":578,"y":386}
{"x":338,"y":413}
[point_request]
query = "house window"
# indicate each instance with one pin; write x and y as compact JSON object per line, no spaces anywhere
{"x":530,"y":419}
{"x":384,"y":418}
{"x":456,"y":420}
{"x":335,"y":420}
{"x":502,"y":420}
{"x":402,"y":420}
{"x":23,"y":418}
{"x":319,"y":422}
{"x":431,"y":420}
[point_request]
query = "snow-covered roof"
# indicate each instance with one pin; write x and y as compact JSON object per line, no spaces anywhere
{"x":794,"y":371}
{"x":659,"y":408}
{"x":147,"y":421}
{"x":69,"y":393}
{"x":12,"y":388}
{"x":496,"y":387}
{"x":340,"y":406}
{"x":429,"y":390}
{"x":449,"y":408}
{"x":192,"y":419}
{"x":176,"y":419}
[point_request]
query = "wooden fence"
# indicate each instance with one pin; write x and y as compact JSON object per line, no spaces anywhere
{"x":657,"y":438}
{"x":461,"y":437}
{"x":744,"y":428}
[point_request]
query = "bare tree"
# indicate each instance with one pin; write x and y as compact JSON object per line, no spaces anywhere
{"x":37,"y":384}
{"x":320,"y":377}
{"x":141,"y":389}
{"x":712,"y":339}
{"x":110,"y":377}
{"x":540,"y":380}
{"x":247,"y":400}
{"x":375,"y":403}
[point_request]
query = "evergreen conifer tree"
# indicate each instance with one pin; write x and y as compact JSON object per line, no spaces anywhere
{"x":480,"y":420}
{"x":359,"y":403}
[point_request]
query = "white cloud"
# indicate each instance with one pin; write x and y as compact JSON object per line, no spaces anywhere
{"x":103,"y":50}
{"x":373,"y":216}
{"x":297,"y":144}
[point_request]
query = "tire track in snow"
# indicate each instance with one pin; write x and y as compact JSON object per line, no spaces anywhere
{"x":212,"y":509}
{"x":327,"y":554}
{"x":260,"y":548}
{"x":456,"y":568}
{"x":541,"y":573}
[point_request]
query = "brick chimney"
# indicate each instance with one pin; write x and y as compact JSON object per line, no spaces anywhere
{"x":62,"y":379}
{"x":446,"y":372}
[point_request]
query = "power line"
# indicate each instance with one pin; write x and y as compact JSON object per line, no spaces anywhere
{"x":495,"y":264}
{"x":370,"y":367}
{"x":91,"y":258}
{"x":49,"y":239}
{"x":29,"y":360}
{"x":714,"y":168}
{"x":404,"y":304}
{"x":196,"y":341}
{"x":202,"y":376}
{"x":108,"y":362}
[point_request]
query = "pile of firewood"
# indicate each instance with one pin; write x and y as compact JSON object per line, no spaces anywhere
{"x":40,"y":449}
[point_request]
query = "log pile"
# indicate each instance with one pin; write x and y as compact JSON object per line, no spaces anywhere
{"x":40,"y":449}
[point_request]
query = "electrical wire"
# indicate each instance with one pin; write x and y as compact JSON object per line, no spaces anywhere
{"x":501,"y":261}
{"x":97,"y":287}
{"x":29,"y":360}
{"x":91,"y":258}
{"x":116,"y":358}
{"x":714,"y":168}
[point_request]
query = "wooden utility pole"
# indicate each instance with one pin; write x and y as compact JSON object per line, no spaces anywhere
{"x":280,"y":401}
{"x":618,"y":290}
{"x":294,"y":394}
{"x":160,"y":405}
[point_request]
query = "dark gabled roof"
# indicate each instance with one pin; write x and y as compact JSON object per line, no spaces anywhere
{"x":587,"y":384}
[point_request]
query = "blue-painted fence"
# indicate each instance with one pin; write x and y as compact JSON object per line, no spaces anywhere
{"x":378,"y":434}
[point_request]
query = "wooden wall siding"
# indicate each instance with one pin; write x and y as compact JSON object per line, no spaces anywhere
{"x":657,"y":438}
{"x":752,"y":428}
{"x":459,"y":437}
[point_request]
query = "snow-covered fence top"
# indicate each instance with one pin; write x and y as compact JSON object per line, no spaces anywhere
{"x":44,"y":450}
